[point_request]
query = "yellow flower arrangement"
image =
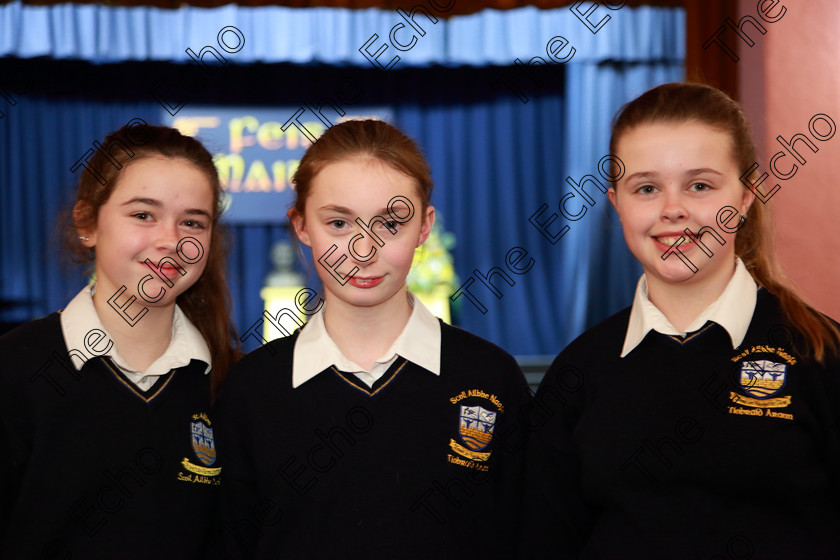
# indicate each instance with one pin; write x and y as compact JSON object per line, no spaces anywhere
{"x":432,"y":269}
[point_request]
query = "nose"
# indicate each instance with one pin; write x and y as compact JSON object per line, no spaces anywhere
{"x":362,"y":249}
{"x":673,"y":208}
{"x":168,"y":237}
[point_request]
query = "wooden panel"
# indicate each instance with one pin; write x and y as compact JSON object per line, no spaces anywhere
{"x":711,"y":65}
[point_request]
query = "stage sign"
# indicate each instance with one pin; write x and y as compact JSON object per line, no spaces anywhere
{"x":255,"y":157}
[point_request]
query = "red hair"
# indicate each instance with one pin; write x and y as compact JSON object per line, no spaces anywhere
{"x":367,"y":138}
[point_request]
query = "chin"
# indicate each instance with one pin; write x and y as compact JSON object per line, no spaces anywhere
{"x":359,"y":302}
{"x":165,"y":301}
{"x":371,"y":299}
{"x":678,"y":272}
{"x":673,"y":277}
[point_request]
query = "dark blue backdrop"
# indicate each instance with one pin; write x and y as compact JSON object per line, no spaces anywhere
{"x":495,"y":160}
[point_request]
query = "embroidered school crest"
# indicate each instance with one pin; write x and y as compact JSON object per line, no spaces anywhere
{"x":478,"y":412}
{"x":761,"y":379}
{"x":203,"y":443}
{"x":476,"y":427}
{"x":204,"y":451}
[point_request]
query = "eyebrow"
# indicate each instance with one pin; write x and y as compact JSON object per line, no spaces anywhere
{"x":198,"y":212}
{"x":640,"y":175}
{"x":704,"y":170}
{"x":139,"y":200}
{"x":158,"y":204}
{"x":690,"y":172}
{"x":347,"y":212}
{"x":336,"y":209}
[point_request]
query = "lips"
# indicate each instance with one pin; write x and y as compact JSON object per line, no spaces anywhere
{"x":667,"y":240}
{"x":670,"y":240}
{"x":166,"y":269}
{"x":366,"y":282}
{"x":169,"y":270}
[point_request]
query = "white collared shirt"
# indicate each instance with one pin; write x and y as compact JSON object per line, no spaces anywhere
{"x":732,"y":310}
{"x":79,"y":319}
{"x":419,"y":342}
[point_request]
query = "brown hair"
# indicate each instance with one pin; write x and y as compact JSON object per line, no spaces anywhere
{"x":207,"y":302}
{"x":684,"y":102}
{"x":367,"y":138}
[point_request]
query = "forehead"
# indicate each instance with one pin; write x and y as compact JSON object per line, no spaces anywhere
{"x":361,"y":182}
{"x":675,"y":145}
{"x":165,"y":178}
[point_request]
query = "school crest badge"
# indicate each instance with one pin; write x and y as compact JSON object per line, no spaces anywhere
{"x":204,"y":451}
{"x":477,"y":413}
{"x":762,"y":377}
{"x":203,"y":443}
{"x":476,"y":427}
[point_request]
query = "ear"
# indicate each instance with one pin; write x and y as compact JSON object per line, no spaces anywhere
{"x":747,"y":201}
{"x":426,"y":224}
{"x":300,"y":227}
{"x":81,"y":214}
{"x":613,"y":200}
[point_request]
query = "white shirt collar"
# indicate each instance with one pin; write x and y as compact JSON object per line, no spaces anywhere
{"x":732,"y":310}
{"x":79,"y":321}
{"x":419,"y":342}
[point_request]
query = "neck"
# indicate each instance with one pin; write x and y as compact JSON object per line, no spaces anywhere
{"x":683,"y":303}
{"x":140,"y":345}
{"x":363,"y":334}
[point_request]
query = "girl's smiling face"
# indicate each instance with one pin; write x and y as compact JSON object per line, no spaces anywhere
{"x":678,"y":176}
{"x":156,"y":202}
{"x":361,"y":187}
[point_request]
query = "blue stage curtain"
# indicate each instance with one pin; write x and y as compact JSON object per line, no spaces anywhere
{"x":40,"y":140}
{"x":106,"y":34}
{"x":495,"y":161}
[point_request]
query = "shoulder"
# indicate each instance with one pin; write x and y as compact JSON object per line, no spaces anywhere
{"x":25,"y":350}
{"x":33,"y":340}
{"x":267,"y":363}
{"x":467,"y":357}
{"x":605,"y":338}
{"x":601,"y":342}
{"x":29,"y":332}
{"x":770,"y":316}
{"x":769,"y":311}
{"x":456,"y":343}
{"x":768,"y":307}
{"x":471,"y":362}
{"x":772,"y":326}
